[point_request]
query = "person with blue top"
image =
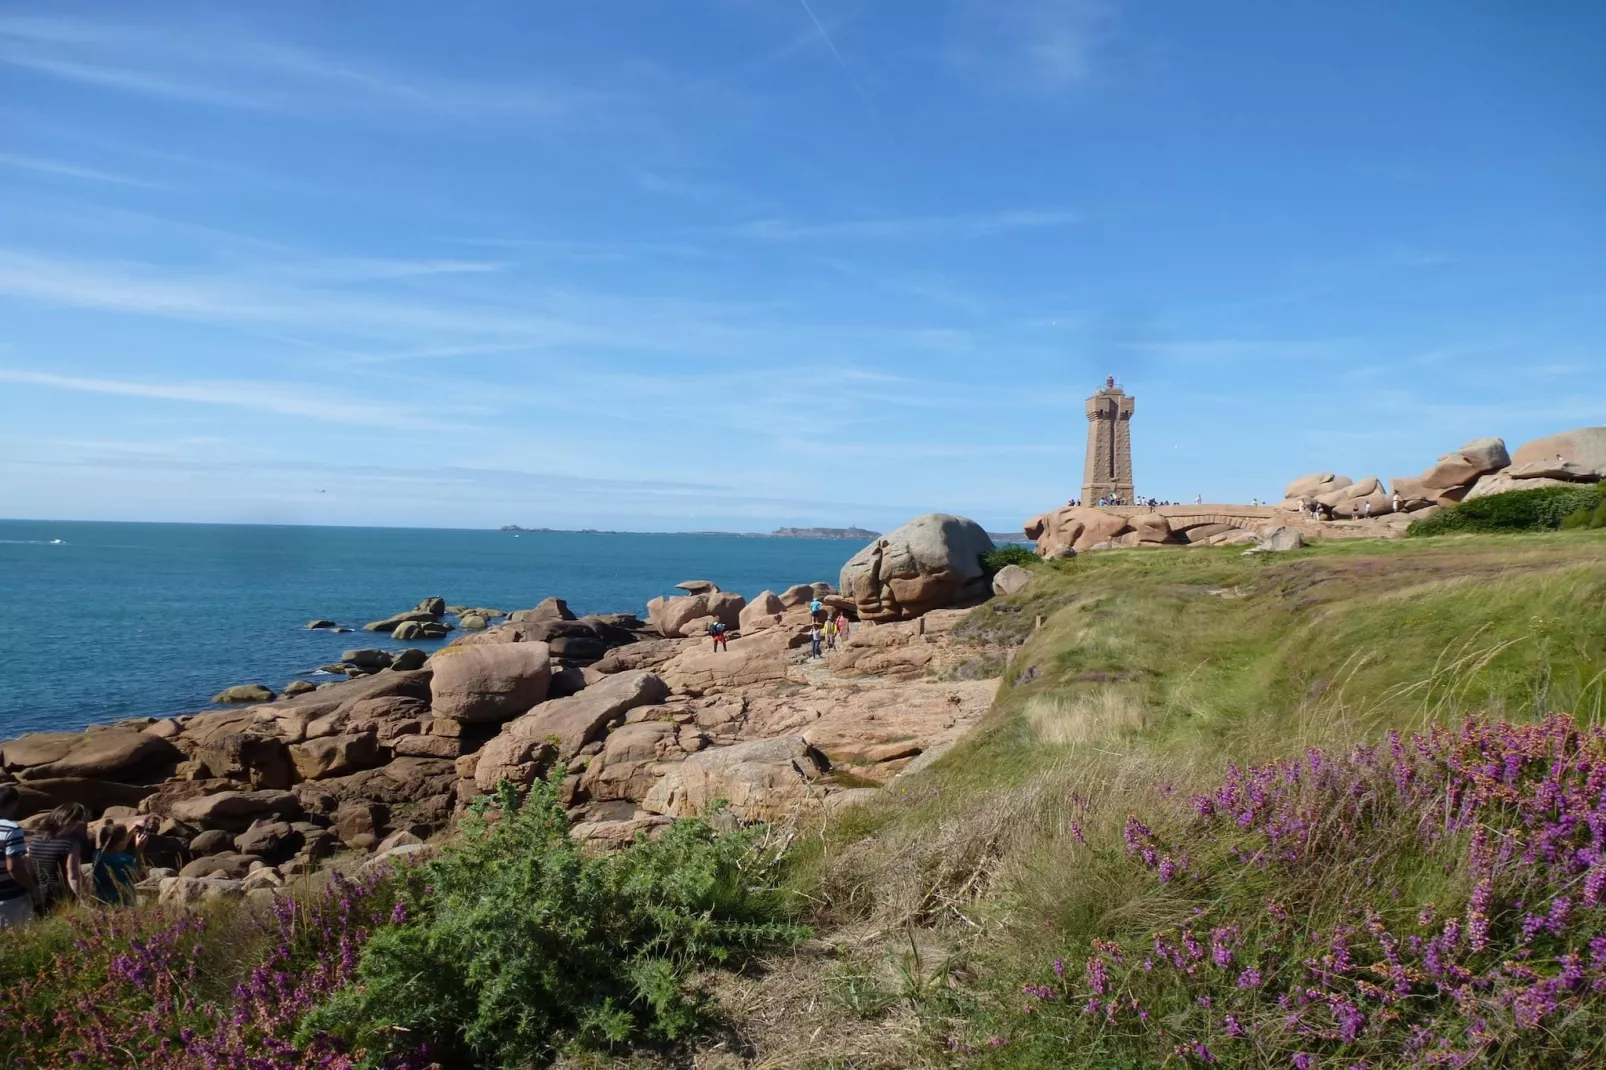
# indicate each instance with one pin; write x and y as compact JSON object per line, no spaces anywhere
{"x":116,"y":868}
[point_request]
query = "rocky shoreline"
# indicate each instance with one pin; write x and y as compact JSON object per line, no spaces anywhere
{"x":648,"y":723}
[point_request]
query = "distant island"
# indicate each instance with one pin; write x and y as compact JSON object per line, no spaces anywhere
{"x":860,"y":534}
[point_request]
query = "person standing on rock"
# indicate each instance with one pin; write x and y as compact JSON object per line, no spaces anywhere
{"x":817,"y":610}
{"x":830,"y":632}
{"x":1366,"y":509}
{"x":814,"y":639}
{"x":1396,"y":501}
{"x":57,"y":853}
{"x":842,"y":623}
{"x":18,"y":890}
{"x":717,"y":631}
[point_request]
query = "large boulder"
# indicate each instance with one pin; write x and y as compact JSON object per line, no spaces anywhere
{"x":750,"y":663}
{"x":1070,"y":530}
{"x":726,"y":607}
{"x":1463,"y":467}
{"x":489,"y":684}
{"x":929,"y":563}
{"x":244,"y":693}
{"x":698,"y":586}
{"x":626,"y":767}
{"x":674,"y":616}
{"x":389,"y":623}
{"x":409,"y":630}
{"x":1501,"y":482}
{"x":189,"y":891}
{"x":799,"y":594}
{"x":1584,"y":447}
{"x":764,"y":611}
{"x":570,"y":723}
{"x":1151,"y":529}
{"x":765,"y":780}
{"x":433,"y":606}
{"x":546,"y":609}
{"x":251,"y":756}
{"x":1315,"y":485}
{"x":1560,"y":471}
{"x":97,"y":793}
{"x":112,"y":753}
{"x":235,"y":810}
{"x":330,"y":756}
{"x":1011,"y":579}
{"x":1412,"y":494}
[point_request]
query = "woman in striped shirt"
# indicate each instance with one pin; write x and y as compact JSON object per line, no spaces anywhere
{"x":57,"y":853}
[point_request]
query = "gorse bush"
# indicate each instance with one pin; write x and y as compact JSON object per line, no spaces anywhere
{"x":1542,"y":509}
{"x":517,"y":946}
{"x":994,"y":560}
{"x":1437,"y":901}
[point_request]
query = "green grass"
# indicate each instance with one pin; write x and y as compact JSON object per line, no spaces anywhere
{"x":1161,"y":667}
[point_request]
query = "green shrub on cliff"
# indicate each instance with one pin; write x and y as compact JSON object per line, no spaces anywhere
{"x":994,"y":560}
{"x":1543,"y":509}
{"x":516,"y":946}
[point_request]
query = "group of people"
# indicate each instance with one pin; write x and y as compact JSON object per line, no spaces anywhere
{"x":825,"y":627}
{"x":1361,"y":510}
{"x":1117,"y":499}
{"x":47,"y":868}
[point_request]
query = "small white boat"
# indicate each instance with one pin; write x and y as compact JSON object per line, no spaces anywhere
{"x":57,"y":542}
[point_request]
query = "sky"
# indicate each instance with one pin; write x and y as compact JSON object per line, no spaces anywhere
{"x":734,"y":264}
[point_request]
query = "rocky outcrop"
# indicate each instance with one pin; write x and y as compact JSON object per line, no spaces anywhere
{"x":765,"y":780}
{"x":1314,"y":486}
{"x":1462,"y":467}
{"x":559,"y":729}
{"x":489,"y":683}
{"x":1071,"y":530}
{"x":1584,"y":448}
{"x":931,"y":562}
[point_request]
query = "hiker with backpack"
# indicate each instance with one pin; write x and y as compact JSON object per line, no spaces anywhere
{"x":716,"y":631}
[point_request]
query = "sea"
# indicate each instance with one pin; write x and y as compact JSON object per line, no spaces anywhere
{"x":106,"y":621}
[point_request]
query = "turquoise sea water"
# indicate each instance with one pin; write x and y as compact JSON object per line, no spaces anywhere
{"x":131,"y":620}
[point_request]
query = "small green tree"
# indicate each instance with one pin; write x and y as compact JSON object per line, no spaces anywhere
{"x":517,"y":946}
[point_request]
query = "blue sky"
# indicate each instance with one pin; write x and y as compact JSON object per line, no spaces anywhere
{"x":687,"y":264}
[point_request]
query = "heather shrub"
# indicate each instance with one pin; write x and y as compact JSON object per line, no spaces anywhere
{"x":151,"y":988}
{"x":1542,"y":509}
{"x":518,"y":946}
{"x":1439,"y":900}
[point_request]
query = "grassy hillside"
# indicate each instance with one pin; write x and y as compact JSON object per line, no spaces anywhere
{"x":1151,"y":674}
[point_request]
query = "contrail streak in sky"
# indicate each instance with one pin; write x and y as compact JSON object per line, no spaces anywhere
{"x":840,"y":62}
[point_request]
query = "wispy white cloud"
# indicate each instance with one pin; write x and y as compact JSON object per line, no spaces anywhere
{"x":69,"y":170}
{"x":1047,"y":44}
{"x":227,"y":70}
{"x":956,"y":226}
{"x":267,"y":397}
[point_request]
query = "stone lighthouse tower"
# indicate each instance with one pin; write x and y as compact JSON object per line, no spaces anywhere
{"x":1109,"y":444}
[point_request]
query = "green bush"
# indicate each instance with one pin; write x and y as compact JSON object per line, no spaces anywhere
{"x":516,"y":946}
{"x":1543,"y":509}
{"x":1586,"y":518}
{"x":1013,"y":554}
